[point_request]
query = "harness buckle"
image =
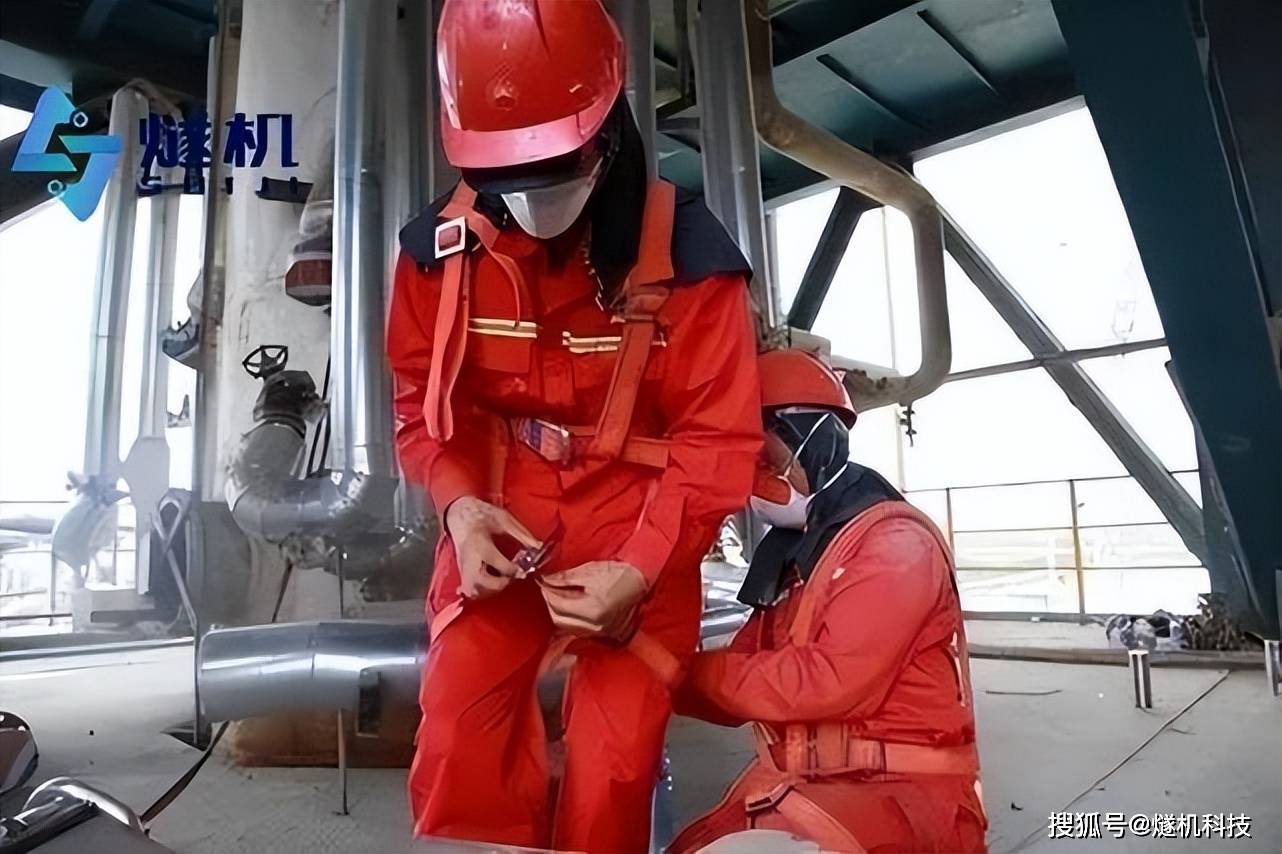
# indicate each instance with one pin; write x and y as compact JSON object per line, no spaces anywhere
{"x":552,"y":442}
{"x":451,"y":237}
{"x":766,"y":799}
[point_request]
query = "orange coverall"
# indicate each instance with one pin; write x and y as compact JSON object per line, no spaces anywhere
{"x":544,"y":350}
{"x":877,"y":654}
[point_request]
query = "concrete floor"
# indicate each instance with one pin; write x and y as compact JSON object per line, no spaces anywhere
{"x":1050,"y":735}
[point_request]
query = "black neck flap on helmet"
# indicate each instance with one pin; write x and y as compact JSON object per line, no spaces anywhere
{"x":816,"y":437}
{"x":856,"y":489}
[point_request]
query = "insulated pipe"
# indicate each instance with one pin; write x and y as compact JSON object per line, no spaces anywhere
{"x":262,"y":670}
{"x":361,"y":396}
{"x":266,"y":497}
{"x":222,"y":77}
{"x":636,"y":26}
{"x":408,"y":171}
{"x":821,"y":151}
{"x":111,"y":293}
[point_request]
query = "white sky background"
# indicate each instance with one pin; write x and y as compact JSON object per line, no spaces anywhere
{"x":1041,"y":203}
{"x":48,"y":264}
{"x":1039,"y":200}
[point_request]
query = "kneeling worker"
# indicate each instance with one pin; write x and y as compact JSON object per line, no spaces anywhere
{"x":853,"y":668}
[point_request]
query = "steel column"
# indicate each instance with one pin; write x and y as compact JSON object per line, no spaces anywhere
{"x":1245,"y":71}
{"x":1149,"y":472}
{"x":829,"y":251}
{"x":731,"y":160}
{"x":111,"y":294}
{"x":1140,"y":66}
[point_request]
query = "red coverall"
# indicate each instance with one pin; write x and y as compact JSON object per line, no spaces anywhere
{"x":871,"y":649}
{"x":480,"y":771}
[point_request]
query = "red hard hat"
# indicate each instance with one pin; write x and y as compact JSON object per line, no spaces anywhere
{"x":524,"y":80}
{"x":798,"y":378}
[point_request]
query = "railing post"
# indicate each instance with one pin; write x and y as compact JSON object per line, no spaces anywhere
{"x":53,"y":585}
{"x":1077,"y":553}
{"x":948,"y":512}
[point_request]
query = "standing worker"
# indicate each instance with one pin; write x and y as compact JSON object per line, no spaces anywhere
{"x":852,"y":669}
{"x":575,"y":364}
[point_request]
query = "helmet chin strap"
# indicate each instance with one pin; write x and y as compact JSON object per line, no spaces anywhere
{"x":838,"y":473}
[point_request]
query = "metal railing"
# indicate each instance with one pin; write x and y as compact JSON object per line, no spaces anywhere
{"x":42,"y":545}
{"x":1056,"y":539}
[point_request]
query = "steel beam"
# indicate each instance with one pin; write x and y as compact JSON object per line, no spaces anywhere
{"x":1140,"y":66}
{"x":1245,"y":70}
{"x":1079,"y":355}
{"x":1139,"y":460}
{"x":831,"y":248}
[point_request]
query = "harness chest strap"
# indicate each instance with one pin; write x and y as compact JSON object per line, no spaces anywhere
{"x":450,"y":333}
{"x":643,"y":298}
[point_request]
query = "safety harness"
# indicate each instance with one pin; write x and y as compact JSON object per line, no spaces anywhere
{"x":641,"y":297}
{"x":791,"y":754}
{"x":643,"y":294}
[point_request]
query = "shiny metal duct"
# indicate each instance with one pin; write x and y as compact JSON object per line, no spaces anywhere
{"x":111,"y":293}
{"x":817,"y":149}
{"x":261,"y":670}
{"x":361,"y":413}
{"x":408,"y":173}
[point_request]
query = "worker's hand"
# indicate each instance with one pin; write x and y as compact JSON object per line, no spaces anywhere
{"x":472,"y":525}
{"x":595,"y":599}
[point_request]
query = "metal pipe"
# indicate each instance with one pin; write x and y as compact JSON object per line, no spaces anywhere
{"x":263,"y":489}
{"x":408,"y":173}
{"x":162,"y":254}
{"x":260,"y":670}
{"x":1079,"y":355}
{"x":361,"y":394}
{"x":633,"y":18}
{"x":111,"y":293}
{"x":224,"y":51}
{"x":269,"y":502}
{"x":817,"y":149}
{"x":731,"y":164}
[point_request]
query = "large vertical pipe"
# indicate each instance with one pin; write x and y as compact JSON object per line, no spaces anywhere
{"x":224,"y":51}
{"x":162,"y":252}
{"x":111,"y":293}
{"x":636,"y":25}
{"x":731,"y":168}
{"x":361,"y":395}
